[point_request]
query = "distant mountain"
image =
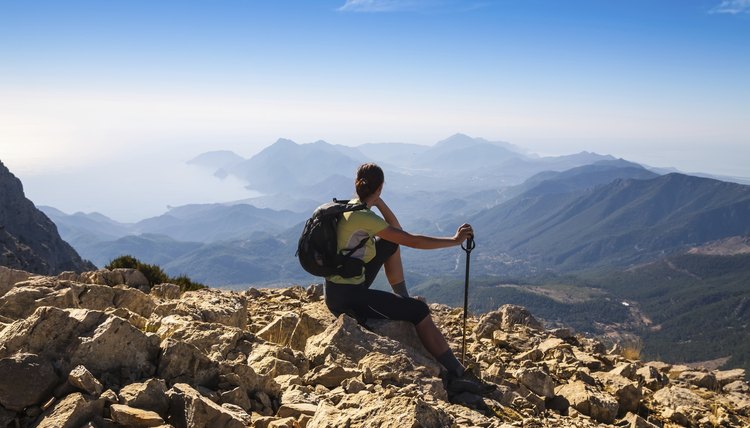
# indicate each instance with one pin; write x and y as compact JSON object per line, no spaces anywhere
{"x":149,"y":248}
{"x":286,"y":166}
{"x":81,"y":228}
{"x":29,"y":240}
{"x":217,"y":160}
{"x":623,"y":222}
{"x":217,"y":222}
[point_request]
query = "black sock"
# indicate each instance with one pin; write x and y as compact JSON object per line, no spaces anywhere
{"x":450,"y":362}
{"x":400,"y":289}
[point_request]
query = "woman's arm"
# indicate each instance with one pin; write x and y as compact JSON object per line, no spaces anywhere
{"x":388,"y":215}
{"x":424,"y":242}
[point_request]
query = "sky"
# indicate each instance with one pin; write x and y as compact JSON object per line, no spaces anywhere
{"x":108,"y":96}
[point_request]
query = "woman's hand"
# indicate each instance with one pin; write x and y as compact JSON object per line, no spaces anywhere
{"x":463,"y":233}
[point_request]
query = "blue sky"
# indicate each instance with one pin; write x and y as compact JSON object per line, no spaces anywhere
{"x":661,"y":82}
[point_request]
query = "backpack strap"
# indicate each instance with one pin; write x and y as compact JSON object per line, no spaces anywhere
{"x":360,"y":245}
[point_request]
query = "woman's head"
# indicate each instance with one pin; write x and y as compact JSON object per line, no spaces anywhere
{"x":369,"y":179}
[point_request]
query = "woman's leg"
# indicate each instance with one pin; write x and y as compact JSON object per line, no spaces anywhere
{"x":394,"y":268}
{"x":431,"y":337}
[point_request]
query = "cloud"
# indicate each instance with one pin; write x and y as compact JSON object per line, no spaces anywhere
{"x":733,"y":7}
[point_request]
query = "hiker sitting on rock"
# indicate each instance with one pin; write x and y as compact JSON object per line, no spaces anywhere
{"x":354,"y":297}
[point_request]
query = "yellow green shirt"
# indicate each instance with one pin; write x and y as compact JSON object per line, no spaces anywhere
{"x":353,"y":227}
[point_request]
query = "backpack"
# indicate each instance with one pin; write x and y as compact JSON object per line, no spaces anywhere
{"x":317,"y":249}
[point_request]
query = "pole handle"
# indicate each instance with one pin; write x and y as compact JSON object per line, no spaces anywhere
{"x":470,"y":244}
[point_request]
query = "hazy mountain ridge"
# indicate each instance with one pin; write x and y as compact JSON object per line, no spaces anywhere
{"x":29,"y":240}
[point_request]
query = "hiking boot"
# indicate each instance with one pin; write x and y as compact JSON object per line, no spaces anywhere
{"x":468,"y":382}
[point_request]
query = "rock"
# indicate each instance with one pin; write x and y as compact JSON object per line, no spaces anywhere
{"x":627,"y":370}
{"x":238,"y":397}
{"x":274,"y":367}
{"x":585,"y":399}
{"x":243,"y":376}
{"x":214,"y":340}
{"x":166,"y":291}
{"x":188,"y":408}
{"x":103,"y":349}
{"x":25,"y":380}
{"x":700,"y":379}
{"x":9,"y":277}
{"x":628,"y":395}
{"x":552,"y":344}
{"x":488,"y":324}
{"x":314,"y":292}
{"x":82,"y":379}
{"x":148,"y":395}
{"x":635,"y":421}
{"x":345,"y":342}
{"x":652,"y":378}
{"x":537,"y":381}
{"x":212,"y":306}
{"x":329,"y":376}
{"x":369,"y":410}
{"x":679,"y":404}
{"x":182,"y":362}
{"x":725,"y":377}
{"x":738,"y":387}
{"x":71,"y":412}
{"x":353,"y":385}
{"x":296,"y":410}
{"x":518,"y":315}
{"x":132,"y":417}
{"x":291,"y":329}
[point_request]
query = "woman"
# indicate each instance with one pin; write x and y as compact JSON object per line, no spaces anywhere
{"x":354,"y":297}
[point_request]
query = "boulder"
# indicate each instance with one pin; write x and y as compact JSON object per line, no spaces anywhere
{"x":725,"y":377}
{"x":214,"y":340}
{"x":537,"y":381}
{"x":148,"y":395}
{"x":25,"y":380}
{"x":370,"y":410}
{"x":238,"y":397}
{"x":292,"y":329}
{"x":133,"y":417}
{"x":628,"y":394}
{"x":652,"y":378}
{"x":166,"y":291}
{"x":240,"y":375}
{"x":635,"y":421}
{"x":82,"y":379}
{"x":329,"y":376}
{"x":589,"y":401}
{"x":9,"y":277}
{"x":296,"y":410}
{"x":71,"y":412}
{"x":182,"y":362}
{"x":212,"y":306}
{"x":102,"y":350}
{"x":518,"y":315}
{"x":188,"y":408}
{"x":700,"y":379}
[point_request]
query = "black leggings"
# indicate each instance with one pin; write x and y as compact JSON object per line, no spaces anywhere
{"x":358,"y":301}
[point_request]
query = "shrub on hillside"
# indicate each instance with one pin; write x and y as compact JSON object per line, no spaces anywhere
{"x":154,"y":273}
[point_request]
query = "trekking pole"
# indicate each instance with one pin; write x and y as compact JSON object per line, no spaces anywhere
{"x":469,"y":246}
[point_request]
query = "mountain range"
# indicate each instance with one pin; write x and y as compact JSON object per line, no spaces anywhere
{"x":556,"y":234}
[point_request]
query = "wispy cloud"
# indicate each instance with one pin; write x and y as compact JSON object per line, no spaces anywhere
{"x":376,"y":6}
{"x":733,"y":7}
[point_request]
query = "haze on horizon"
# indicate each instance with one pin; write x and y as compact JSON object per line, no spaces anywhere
{"x":106,"y":97}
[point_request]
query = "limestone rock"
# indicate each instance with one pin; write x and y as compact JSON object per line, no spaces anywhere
{"x":188,"y":408}
{"x":518,"y":315}
{"x":652,"y":378}
{"x":600,"y":406}
{"x":627,"y":393}
{"x":166,"y":291}
{"x":212,"y":306}
{"x":71,"y":412}
{"x":214,"y":340}
{"x":291,"y":329}
{"x":725,"y":377}
{"x":182,"y":362}
{"x":25,"y":380}
{"x":238,"y":397}
{"x":537,"y":381}
{"x":148,"y":395}
{"x":136,"y":418}
{"x":329,"y":376}
{"x":369,"y":410}
{"x":82,"y":379}
{"x":9,"y":277}
{"x":700,"y":379}
{"x":296,"y":410}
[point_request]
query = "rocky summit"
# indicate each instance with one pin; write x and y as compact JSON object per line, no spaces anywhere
{"x":105,"y":349}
